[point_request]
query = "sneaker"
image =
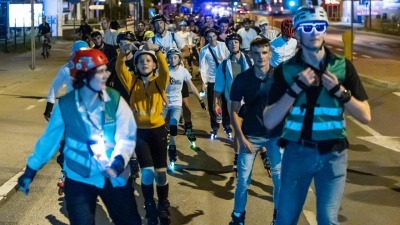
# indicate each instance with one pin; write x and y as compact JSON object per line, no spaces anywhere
{"x":228,"y":131}
{"x":172,"y":153}
{"x":237,"y":220}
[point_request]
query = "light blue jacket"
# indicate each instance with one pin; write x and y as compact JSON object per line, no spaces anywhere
{"x":223,"y":82}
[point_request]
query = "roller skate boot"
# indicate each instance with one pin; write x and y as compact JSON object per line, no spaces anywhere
{"x":266,"y":162}
{"x":151,"y":212}
{"x":190,"y":135}
{"x":213,"y":135}
{"x":134,"y":165}
{"x":237,"y":220}
{"x":172,"y":156}
{"x":60,"y":183}
{"x":163,"y":213}
{"x":228,"y":131}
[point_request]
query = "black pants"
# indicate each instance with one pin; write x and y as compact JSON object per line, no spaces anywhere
{"x":226,"y":122}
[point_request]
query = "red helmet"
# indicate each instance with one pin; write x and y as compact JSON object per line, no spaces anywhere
{"x":287,"y":28}
{"x":85,"y":60}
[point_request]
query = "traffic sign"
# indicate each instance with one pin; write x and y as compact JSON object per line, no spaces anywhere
{"x":96,"y":7}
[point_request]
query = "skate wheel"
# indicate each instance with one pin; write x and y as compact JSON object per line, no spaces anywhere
{"x":60,"y":191}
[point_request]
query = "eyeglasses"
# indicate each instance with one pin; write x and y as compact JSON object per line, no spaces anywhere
{"x":309,"y":27}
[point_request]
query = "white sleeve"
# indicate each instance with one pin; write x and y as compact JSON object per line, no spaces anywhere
{"x":61,"y":78}
{"x":203,"y":65}
{"x":125,"y":136}
{"x":179,"y":41}
{"x":49,"y":142}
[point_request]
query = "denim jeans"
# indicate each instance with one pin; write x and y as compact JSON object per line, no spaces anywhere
{"x":81,"y":203}
{"x":299,"y":166}
{"x":174,"y":113}
{"x":245,"y":168}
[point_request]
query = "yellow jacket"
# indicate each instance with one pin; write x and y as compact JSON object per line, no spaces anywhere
{"x":146,"y":104}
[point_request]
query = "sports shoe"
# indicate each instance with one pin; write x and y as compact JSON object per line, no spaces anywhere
{"x":237,"y":220}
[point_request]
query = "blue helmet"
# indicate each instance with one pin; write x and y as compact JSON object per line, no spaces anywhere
{"x":78,"y":45}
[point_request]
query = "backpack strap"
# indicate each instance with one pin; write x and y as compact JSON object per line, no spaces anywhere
{"x":214,"y":57}
{"x":248,"y":60}
{"x":224,"y":67}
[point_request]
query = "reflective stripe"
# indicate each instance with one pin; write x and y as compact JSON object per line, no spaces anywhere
{"x":318,"y":111}
{"x":330,"y":125}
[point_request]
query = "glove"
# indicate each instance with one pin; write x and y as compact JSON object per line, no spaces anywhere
{"x":25,"y":180}
{"x":203,"y":105}
{"x":49,"y":109}
{"x":117,"y":167}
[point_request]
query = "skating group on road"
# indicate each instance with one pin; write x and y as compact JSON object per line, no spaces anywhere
{"x":284,"y":95}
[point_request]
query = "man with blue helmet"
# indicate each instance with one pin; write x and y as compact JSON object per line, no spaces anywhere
{"x":314,"y":89}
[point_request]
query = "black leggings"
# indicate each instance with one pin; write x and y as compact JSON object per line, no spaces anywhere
{"x":226,"y":121}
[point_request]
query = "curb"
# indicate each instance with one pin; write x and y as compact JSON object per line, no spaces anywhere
{"x":9,"y":188}
{"x":379,"y":83}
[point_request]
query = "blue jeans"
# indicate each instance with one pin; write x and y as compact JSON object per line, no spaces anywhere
{"x":81,"y":203}
{"x":174,"y":113}
{"x":299,"y":166}
{"x":245,"y":168}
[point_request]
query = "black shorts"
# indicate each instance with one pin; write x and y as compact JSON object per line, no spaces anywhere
{"x":185,"y":90}
{"x":151,"y":147}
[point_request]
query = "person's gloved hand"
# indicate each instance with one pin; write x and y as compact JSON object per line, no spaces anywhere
{"x":48,"y":110}
{"x":117,"y":167}
{"x":25,"y":180}
{"x":203,"y":105}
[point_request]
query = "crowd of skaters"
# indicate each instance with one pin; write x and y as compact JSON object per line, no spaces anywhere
{"x":280,"y":92}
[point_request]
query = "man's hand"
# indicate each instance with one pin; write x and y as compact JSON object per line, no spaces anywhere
{"x":204,"y":87}
{"x":308,"y":77}
{"x":128,"y":48}
{"x":330,"y":81}
{"x":150,"y":46}
{"x":47,"y":111}
{"x":203,"y":105}
{"x":246,"y":145}
{"x":25,"y":180}
{"x":217,"y":109}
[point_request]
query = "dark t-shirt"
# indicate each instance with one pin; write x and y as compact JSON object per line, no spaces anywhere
{"x":44,"y":29}
{"x":114,"y":82}
{"x":352,"y":82}
{"x":256,"y":96}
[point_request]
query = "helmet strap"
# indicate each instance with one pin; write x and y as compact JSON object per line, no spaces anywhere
{"x":100,"y":93}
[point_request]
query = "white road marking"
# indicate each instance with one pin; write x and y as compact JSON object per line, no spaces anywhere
{"x":328,"y":46}
{"x":310,"y":216}
{"x":339,"y":49}
{"x":42,"y":100}
{"x":366,"y":56}
{"x":389,"y":142}
{"x":397,"y":93}
{"x":30,"y":107}
{"x":355,"y":57}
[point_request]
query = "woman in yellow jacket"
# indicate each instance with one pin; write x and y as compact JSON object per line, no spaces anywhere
{"x":147,"y":97}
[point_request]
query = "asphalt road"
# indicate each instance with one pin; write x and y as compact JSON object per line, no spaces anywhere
{"x":202,"y":188}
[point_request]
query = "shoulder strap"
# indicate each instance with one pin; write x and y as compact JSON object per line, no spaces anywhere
{"x":153,"y":39}
{"x":214,"y":57}
{"x":173,"y":39}
{"x":248,"y":60}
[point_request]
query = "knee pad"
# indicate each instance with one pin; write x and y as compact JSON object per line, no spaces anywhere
{"x":161,"y":178}
{"x":173,"y":130}
{"x":147,"y":175}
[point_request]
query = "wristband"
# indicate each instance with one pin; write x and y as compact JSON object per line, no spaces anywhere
{"x":334,"y":90}
{"x":292,"y":93}
{"x":302,"y":85}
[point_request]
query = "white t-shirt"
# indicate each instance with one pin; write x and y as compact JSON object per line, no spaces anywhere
{"x":174,"y":88}
{"x":282,"y":50}
{"x":186,"y":37}
{"x":167,"y":42}
{"x":247,"y":37}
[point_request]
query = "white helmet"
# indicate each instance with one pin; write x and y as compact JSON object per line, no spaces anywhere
{"x":312,"y":13}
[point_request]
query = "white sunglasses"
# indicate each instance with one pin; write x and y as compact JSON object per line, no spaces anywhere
{"x":307,"y":28}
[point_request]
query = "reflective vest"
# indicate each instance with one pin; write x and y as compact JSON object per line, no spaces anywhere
{"x":328,"y":121}
{"x":78,"y":156}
